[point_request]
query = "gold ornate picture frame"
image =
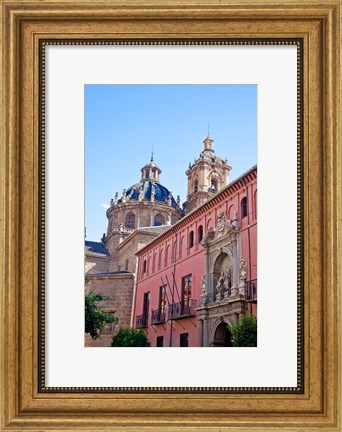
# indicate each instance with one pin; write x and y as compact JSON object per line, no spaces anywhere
{"x":25,"y":404}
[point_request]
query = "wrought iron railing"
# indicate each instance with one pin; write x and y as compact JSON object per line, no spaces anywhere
{"x":251,"y":290}
{"x":182,"y":309}
{"x":158,"y":316}
{"x":141,"y":321}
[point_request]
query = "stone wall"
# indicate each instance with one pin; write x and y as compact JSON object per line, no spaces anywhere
{"x":128,"y":259}
{"x":95,"y":263}
{"x":120,"y":288}
{"x":128,"y":250}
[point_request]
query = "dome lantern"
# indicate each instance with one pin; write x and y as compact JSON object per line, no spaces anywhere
{"x":150,"y":172}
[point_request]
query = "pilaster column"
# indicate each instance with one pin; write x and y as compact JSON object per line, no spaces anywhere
{"x":206,"y":332}
{"x":208,"y":284}
{"x":138,"y":218}
{"x":200,"y":333}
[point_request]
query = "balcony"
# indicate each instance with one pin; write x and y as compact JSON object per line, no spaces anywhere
{"x":141,"y":321}
{"x":182,"y":310}
{"x":251,"y":291}
{"x":158,"y":316}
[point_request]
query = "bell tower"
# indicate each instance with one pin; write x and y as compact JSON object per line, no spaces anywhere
{"x":206,"y":176}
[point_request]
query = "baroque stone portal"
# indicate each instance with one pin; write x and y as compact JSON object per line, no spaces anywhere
{"x":223,"y":285}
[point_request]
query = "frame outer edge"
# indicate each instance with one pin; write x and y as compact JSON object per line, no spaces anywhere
{"x":10,"y":166}
{"x":331,"y":100}
{"x":9,"y":225}
{"x":337,"y":156}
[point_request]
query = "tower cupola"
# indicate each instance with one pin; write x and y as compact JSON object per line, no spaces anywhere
{"x":208,"y":144}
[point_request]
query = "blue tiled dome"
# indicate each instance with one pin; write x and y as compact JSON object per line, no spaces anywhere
{"x":161,"y":192}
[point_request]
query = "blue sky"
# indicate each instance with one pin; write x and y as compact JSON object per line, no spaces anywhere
{"x":124,"y":122}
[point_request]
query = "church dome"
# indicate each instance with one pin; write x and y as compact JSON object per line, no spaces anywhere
{"x":142,"y":192}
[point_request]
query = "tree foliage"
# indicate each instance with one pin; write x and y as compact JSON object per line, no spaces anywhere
{"x":130,"y":337}
{"x":245,"y":332}
{"x":95,"y":318}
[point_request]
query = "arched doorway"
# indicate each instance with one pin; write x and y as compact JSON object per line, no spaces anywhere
{"x":223,"y":337}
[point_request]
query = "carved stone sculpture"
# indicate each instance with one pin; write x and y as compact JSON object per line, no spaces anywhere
{"x":243,"y":270}
{"x":203,"y":286}
{"x":220,"y":286}
{"x":221,"y":219}
{"x":228,"y":279}
{"x":141,"y":194}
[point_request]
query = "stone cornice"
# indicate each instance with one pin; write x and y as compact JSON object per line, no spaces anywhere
{"x":133,"y":205}
{"x":133,"y":234}
{"x":232,"y":187}
{"x":100,"y":276}
{"x":98,"y":255}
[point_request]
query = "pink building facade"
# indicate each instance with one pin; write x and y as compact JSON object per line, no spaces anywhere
{"x":201,"y":274}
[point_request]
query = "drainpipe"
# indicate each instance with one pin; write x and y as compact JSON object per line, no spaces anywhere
{"x":248,"y":235}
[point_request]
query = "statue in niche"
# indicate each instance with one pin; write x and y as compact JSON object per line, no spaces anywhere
{"x":221,"y":286}
{"x":228,"y":282}
{"x":243,"y":270}
{"x":228,"y":279}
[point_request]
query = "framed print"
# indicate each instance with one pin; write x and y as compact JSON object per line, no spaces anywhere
{"x":178,"y":264}
{"x":104,"y":105}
